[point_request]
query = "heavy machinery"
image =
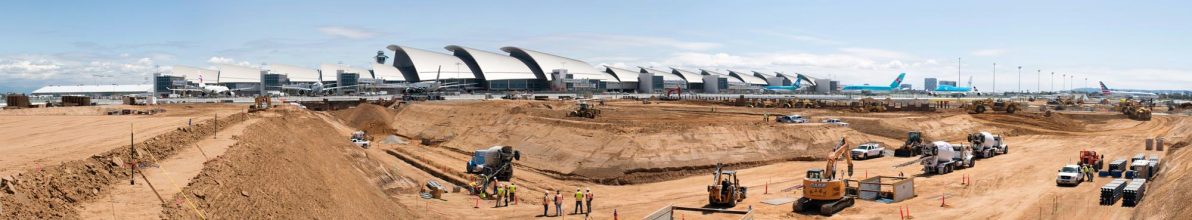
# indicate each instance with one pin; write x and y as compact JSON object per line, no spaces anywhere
{"x":726,"y":189}
{"x":986,"y":145}
{"x":822,"y":190}
{"x":1090,"y":157}
{"x":492,"y":165}
{"x":942,"y":157}
{"x":913,"y":146}
{"x":868,"y":105}
{"x":981,"y":105}
{"x":678,"y":92}
{"x":584,"y":110}
{"x":260,"y":103}
{"x":1134,"y":109}
{"x":359,"y":139}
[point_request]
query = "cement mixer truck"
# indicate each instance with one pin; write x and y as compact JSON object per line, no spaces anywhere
{"x":492,"y":165}
{"x":986,"y":145}
{"x":942,"y":157}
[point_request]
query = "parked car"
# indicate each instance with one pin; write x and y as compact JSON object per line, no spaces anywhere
{"x":791,"y":119}
{"x":835,"y":121}
{"x":1069,"y":175}
{"x":868,"y":150}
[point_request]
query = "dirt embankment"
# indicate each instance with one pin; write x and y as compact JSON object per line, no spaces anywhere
{"x":1168,"y":193}
{"x":375,"y":120}
{"x":291,"y":167}
{"x":53,"y":192}
{"x":628,"y":143}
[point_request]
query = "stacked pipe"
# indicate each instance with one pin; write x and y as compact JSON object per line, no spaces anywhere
{"x":1112,"y":191}
{"x":1133,"y":192}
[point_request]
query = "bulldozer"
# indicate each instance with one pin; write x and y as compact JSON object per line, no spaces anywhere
{"x":981,"y":105}
{"x":822,"y":190}
{"x":584,"y":110}
{"x":260,"y":103}
{"x":868,"y":105}
{"x":913,"y":146}
{"x":1134,"y":109}
{"x":726,"y":189}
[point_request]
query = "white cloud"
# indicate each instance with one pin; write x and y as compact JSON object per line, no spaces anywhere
{"x":801,"y":37}
{"x":626,"y":42}
{"x":988,"y":52}
{"x":77,"y":68}
{"x":347,"y":32}
{"x":225,"y":60}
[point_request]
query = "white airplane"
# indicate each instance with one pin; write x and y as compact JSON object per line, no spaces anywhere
{"x":1126,"y":95}
{"x":423,"y":86}
{"x":212,"y":89}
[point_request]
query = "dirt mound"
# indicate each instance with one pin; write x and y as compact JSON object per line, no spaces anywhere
{"x":290,"y":168}
{"x":375,"y":120}
{"x":1035,"y":123}
{"x":943,"y":127}
{"x":53,"y":192}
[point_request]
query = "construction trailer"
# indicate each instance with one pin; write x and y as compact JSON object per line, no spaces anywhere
{"x":76,"y":101}
{"x":1112,"y":191}
{"x":17,"y":102}
{"x":1133,"y":192}
{"x":668,"y":213}
{"x":891,"y":188}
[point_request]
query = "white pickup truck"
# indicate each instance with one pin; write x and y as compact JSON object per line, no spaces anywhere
{"x":1069,"y":175}
{"x":868,"y":150}
{"x":836,"y":121}
{"x":359,"y":139}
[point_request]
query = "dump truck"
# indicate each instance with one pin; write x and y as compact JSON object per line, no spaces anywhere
{"x":942,"y":157}
{"x":1090,"y":157}
{"x":912,"y":147}
{"x":1134,"y":109}
{"x":981,"y":105}
{"x":584,"y":110}
{"x":726,"y":189}
{"x":260,"y":103}
{"x":986,"y":145}
{"x":492,"y":165}
{"x":823,"y":191}
{"x":869,"y":105}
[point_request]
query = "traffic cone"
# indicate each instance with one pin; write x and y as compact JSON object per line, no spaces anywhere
{"x":900,"y":214}
{"x":615,"y":217}
{"x":767,"y":187}
{"x":477,"y":203}
{"x":943,"y":200}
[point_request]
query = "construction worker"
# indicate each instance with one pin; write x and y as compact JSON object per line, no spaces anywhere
{"x":512,"y":190}
{"x":579,"y":201}
{"x":588,"y":197}
{"x":558,"y":203}
{"x":500,"y":194}
{"x":1089,"y":173}
{"x":545,"y":202}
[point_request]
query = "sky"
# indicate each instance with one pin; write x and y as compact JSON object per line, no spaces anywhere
{"x":1127,"y":44}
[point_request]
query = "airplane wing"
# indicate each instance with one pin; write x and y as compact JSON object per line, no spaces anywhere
{"x":187,"y":90}
{"x":295,"y":88}
{"x":243,"y":89}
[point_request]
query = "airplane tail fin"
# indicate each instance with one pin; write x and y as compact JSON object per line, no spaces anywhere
{"x":1104,"y":89}
{"x":898,"y":81}
{"x":798,"y":83}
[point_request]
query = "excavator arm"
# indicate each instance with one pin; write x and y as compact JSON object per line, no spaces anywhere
{"x":841,"y":150}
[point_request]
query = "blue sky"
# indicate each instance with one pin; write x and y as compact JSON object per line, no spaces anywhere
{"x":1141,"y":45}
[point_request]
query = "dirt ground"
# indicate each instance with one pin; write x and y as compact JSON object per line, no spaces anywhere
{"x":638,"y":158}
{"x":678,"y":145}
{"x":35,"y":138}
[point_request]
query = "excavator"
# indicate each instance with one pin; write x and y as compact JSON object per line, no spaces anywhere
{"x":822,"y":190}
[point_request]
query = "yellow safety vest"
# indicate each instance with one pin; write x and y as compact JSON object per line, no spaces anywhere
{"x":512,"y":188}
{"x":579,"y":195}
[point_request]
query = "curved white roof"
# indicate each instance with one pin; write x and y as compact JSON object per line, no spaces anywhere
{"x":295,"y":73}
{"x":192,"y":73}
{"x":549,"y":62}
{"x":229,"y":73}
{"x":666,"y":75}
{"x":425,"y":64}
{"x":493,"y":66}
{"x":764,"y":75}
{"x":731,"y":79}
{"x":690,"y":76}
{"x":623,"y":74}
{"x":747,"y":77}
{"x":387,"y":72}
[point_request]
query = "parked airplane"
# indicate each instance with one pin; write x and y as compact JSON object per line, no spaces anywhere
{"x":785,"y":89}
{"x":876,"y":89}
{"x":423,"y":86}
{"x":212,"y":89}
{"x":956,"y":91}
{"x":1125,"y":94}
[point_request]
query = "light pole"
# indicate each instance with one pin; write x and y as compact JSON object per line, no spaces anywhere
{"x":1038,"y":80}
{"x":1053,"y":81}
{"x":958,"y":77}
{"x":1063,"y":78}
{"x":1019,"y":78}
{"x":994,"y":77}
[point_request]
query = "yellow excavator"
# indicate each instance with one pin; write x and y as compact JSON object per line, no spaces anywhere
{"x":822,"y":190}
